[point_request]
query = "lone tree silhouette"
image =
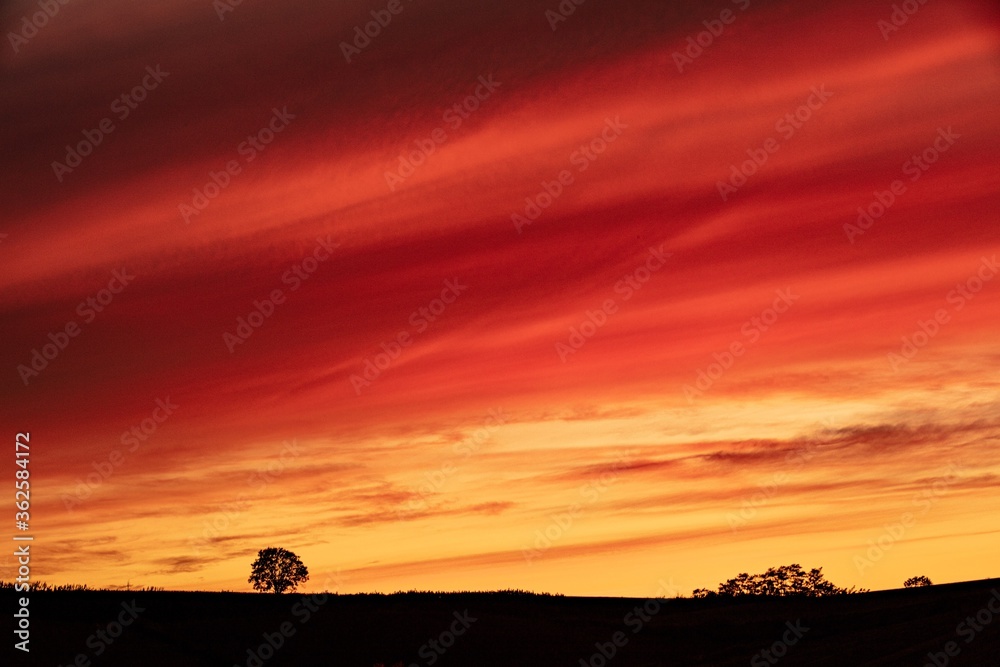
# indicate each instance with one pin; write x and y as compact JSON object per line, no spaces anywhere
{"x":779,"y":581}
{"x":916,"y":582}
{"x":277,"y":570}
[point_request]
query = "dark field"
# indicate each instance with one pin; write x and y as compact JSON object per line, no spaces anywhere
{"x":221,"y":629}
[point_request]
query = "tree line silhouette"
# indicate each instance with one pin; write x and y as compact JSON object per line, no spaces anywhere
{"x":778,"y":581}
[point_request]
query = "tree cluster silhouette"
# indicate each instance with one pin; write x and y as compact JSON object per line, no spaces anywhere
{"x":916,"y":582}
{"x":778,"y":581}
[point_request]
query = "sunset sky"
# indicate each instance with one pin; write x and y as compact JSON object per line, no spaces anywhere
{"x":485,"y":301}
